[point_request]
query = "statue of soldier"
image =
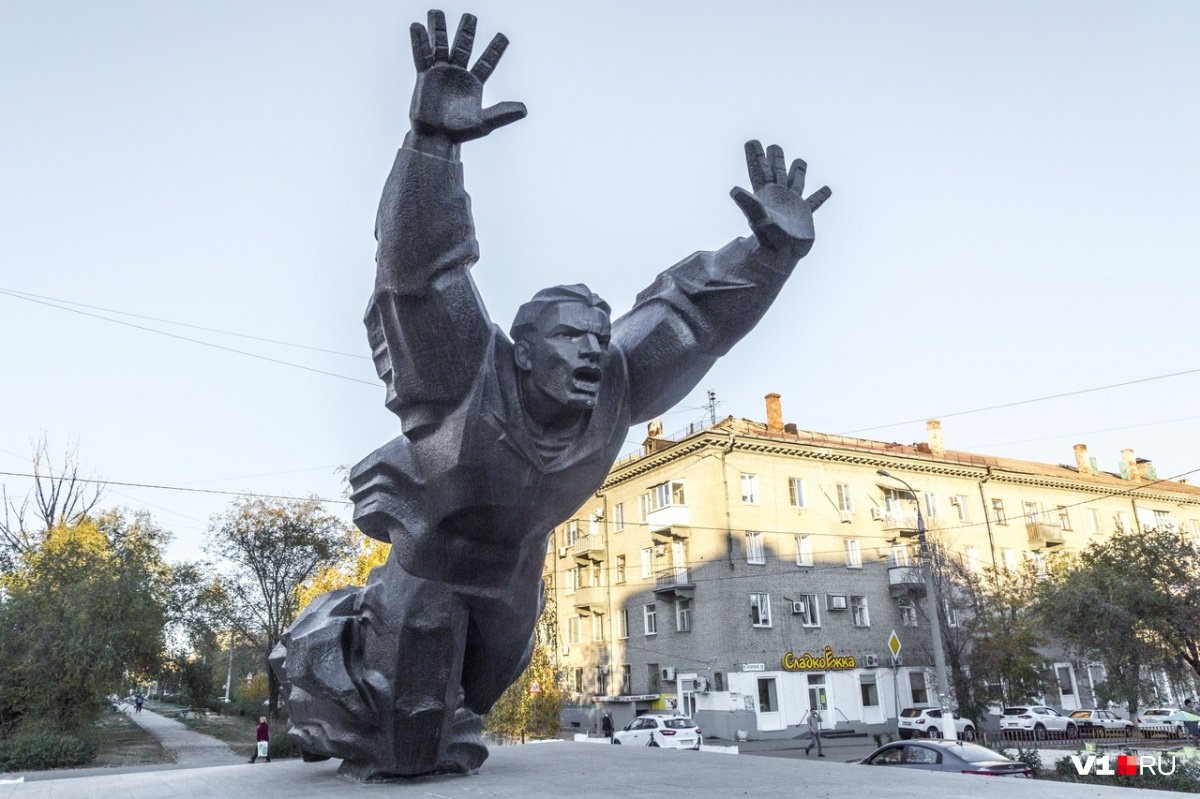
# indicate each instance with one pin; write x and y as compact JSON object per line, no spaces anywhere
{"x":502,"y":439}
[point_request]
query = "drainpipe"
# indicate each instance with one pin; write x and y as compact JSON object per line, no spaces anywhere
{"x":987,"y":518}
{"x":610,"y":639}
{"x":725,"y":450}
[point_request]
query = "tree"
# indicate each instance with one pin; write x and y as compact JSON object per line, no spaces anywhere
{"x":271,"y":548}
{"x":61,"y":497}
{"x":531,"y":705}
{"x":83,"y":609}
{"x":365,"y":555}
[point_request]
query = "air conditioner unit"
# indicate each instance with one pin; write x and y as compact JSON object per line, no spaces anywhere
{"x":603,"y":668}
{"x":870,"y":661}
{"x":878,"y":514}
{"x":846,"y":515}
{"x":562,"y":551}
{"x":798,"y":607}
{"x":836,"y":601}
{"x":566,"y":650}
{"x":668,"y":674}
{"x":702,"y":685}
{"x":954,"y":500}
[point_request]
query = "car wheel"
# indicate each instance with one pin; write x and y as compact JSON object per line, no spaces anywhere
{"x":1072,"y":731}
{"x":968,"y":734}
{"x":933,"y":732}
{"x":1039,"y":733}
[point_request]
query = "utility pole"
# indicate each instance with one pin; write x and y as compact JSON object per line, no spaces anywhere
{"x":712,"y":407}
{"x":949,"y":728}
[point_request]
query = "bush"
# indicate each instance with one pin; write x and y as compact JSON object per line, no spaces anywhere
{"x":1030,"y":757}
{"x":281,"y":745}
{"x":37,"y":751}
{"x":1185,"y":778}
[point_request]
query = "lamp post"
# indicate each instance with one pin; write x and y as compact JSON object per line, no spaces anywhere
{"x":935,"y":623}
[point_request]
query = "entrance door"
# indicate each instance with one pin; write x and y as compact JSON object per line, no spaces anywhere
{"x":818,"y":697}
{"x":769,"y":715}
{"x":1067,"y":690}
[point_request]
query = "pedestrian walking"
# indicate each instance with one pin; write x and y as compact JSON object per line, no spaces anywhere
{"x":606,"y":724}
{"x":814,"y":732}
{"x":1191,"y":725}
{"x":262,"y":736}
{"x":137,"y":703}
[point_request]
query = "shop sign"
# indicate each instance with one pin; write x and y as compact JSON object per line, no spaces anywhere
{"x":754,"y":667}
{"x":826,"y":662}
{"x":635,"y":698}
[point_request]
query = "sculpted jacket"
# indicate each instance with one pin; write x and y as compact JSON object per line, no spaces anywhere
{"x":463,"y":495}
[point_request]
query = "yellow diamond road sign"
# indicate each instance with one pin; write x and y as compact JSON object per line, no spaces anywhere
{"x":894,"y":644}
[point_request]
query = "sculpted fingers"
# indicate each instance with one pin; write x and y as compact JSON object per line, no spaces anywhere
{"x":502,"y":114}
{"x":422,"y":52}
{"x":818,"y":198}
{"x":437,"y":32}
{"x":777,"y":165}
{"x":751,"y":206}
{"x":795,"y":178}
{"x":491,"y":57}
{"x":756,"y":165}
{"x":464,"y":40}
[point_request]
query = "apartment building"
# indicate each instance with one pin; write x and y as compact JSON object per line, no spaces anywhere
{"x":744,"y":572}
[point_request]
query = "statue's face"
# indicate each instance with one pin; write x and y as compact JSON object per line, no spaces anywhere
{"x":566,"y":357}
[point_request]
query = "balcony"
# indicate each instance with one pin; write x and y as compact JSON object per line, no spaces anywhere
{"x":674,"y":582}
{"x":593,"y":599}
{"x":666,"y":518}
{"x":899,"y":523}
{"x":589,"y":547}
{"x":905,"y":580}
{"x":1042,"y":534}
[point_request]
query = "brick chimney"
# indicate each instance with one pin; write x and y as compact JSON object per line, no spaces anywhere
{"x":1129,"y":469}
{"x":1145,"y":469}
{"x":774,"y":413}
{"x":1081,"y":459}
{"x":933,"y":431}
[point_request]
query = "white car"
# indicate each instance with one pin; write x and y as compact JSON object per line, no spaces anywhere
{"x":669,"y":732}
{"x":1037,"y":722}
{"x":1153,"y":721}
{"x":1101,"y":722}
{"x":926,"y":722}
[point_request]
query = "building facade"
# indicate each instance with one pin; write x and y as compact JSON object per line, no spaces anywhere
{"x":745,"y":572}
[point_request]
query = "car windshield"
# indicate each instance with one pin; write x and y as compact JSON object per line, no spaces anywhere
{"x":973,"y":753}
{"x":1015,"y":711}
{"x":912,"y":712}
{"x":679,"y":724}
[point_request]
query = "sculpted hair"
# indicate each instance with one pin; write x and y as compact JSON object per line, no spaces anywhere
{"x":527,"y":316}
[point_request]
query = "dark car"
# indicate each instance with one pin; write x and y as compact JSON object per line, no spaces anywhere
{"x":950,"y":756}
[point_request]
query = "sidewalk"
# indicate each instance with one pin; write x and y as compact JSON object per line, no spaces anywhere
{"x":190,"y":749}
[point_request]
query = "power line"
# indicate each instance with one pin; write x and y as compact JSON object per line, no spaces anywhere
{"x":1026,"y":401}
{"x":30,"y":295}
{"x":193,"y":340}
{"x":1082,"y":433}
{"x":191,"y":490}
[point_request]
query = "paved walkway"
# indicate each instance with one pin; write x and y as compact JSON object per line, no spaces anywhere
{"x":190,"y":749}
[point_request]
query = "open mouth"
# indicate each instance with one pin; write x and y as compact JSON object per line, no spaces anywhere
{"x":587,"y":378}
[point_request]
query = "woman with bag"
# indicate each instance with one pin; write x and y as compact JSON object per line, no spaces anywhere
{"x":263,"y":736}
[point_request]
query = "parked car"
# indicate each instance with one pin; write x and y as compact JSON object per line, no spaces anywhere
{"x":1153,"y":721}
{"x":927,"y":722}
{"x":1037,"y":722}
{"x":669,"y":732}
{"x":1101,"y":722}
{"x":953,"y":756}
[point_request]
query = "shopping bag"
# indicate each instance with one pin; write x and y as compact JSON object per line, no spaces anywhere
{"x":262,"y":748}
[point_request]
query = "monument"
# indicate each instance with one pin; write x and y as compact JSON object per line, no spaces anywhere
{"x":503,"y":436}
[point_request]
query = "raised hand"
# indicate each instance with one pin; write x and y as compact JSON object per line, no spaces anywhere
{"x":777,"y":210}
{"x":448,"y":99}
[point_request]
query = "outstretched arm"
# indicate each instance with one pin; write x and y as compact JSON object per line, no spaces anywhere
{"x":428,"y":328}
{"x":699,"y":308}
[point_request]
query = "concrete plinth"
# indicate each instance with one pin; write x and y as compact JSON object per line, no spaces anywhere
{"x":565,"y":770}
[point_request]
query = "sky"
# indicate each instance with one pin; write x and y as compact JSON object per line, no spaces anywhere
{"x":1016,"y":196}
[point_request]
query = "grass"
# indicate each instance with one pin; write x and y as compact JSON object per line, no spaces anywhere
{"x":120,"y":742}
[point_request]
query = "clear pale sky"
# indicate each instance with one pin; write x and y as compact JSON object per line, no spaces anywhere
{"x":1016,"y":214}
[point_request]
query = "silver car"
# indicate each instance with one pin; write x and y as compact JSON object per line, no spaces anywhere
{"x":952,"y":756}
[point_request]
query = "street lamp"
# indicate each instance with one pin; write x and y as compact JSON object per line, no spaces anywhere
{"x":935,"y":623}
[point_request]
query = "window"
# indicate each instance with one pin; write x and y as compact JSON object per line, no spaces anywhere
{"x":597,"y":574}
{"x":908,"y":613}
{"x":1163,"y":521}
{"x":1010,"y":560}
{"x":651,"y":678}
{"x":870,"y":692}
{"x":572,"y":534}
{"x":1093,"y":520}
{"x":845,"y":502}
{"x":853,"y":554}
{"x":643,"y":506}
{"x":809,"y":609}
{"x":650,"y":618}
{"x":750,"y":489}
{"x":804,"y":550}
{"x":899,"y":555}
{"x":960,"y":503}
{"x":577,"y":681}
{"x":683,"y":615}
{"x":951,"y":615}
{"x":618,"y":517}
{"x":1033,"y":513}
{"x":1124,"y":523}
{"x":894,"y":499}
{"x":573,"y":636}
{"x":768,"y":702}
{"x":858,"y":611}
{"x":664,"y":495}
{"x":754,"y":548}
{"x":647,"y":562}
{"x":620,"y":576}
{"x":1064,"y":518}
{"x":916,"y":682}
{"x":572,"y":578}
{"x":623,"y":623}
{"x":796,"y":492}
{"x":932,"y":508}
{"x":970,"y":559}
{"x":597,"y":627}
{"x":602,"y":680}
{"x":998,"y":512}
{"x":760,"y":610}
{"x":626,"y":679}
